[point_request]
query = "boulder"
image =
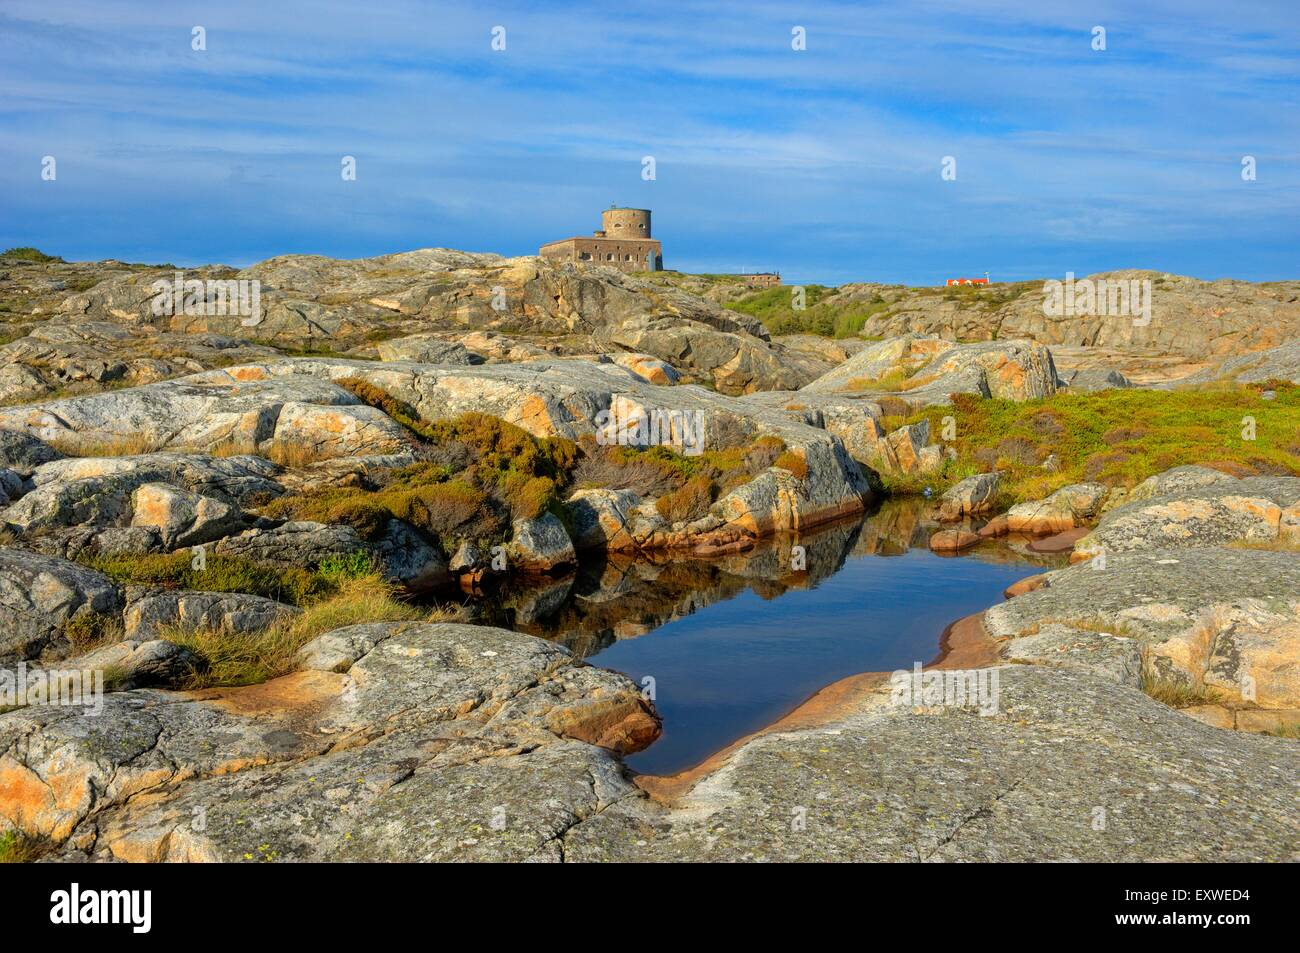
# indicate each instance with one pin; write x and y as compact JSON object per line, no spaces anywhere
{"x":150,"y":611}
{"x":973,"y":495}
{"x":136,"y":663}
{"x":40,"y":595}
{"x":734,"y":363}
{"x":12,"y":485}
{"x":297,"y":543}
{"x":649,"y":369}
{"x":427,"y":349}
{"x":1068,"y":507}
{"x":1093,"y":379}
{"x":601,"y":518}
{"x":905,"y":451}
{"x":183,"y":518}
{"x":953,"y":540}
{"x":406,"y":558}
{"x":540,"y":545}
{"x":923,"y":370}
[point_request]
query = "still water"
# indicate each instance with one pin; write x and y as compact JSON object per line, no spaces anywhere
{"x":734,"y":643}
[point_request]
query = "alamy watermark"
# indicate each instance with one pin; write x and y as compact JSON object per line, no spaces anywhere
{"x":952,"y":688}
{"x":71,"y":688}
{"x":630,"y":425}
{"x":1101,"y":297}
{"x":193,"y":297}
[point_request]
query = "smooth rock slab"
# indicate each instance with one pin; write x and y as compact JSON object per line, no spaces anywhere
{"x":1066,"y":748}
{"x":433,"y":733}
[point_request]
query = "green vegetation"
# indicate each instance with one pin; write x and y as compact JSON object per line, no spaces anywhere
{"x":484,"y":473}
{"x":290,"y":584}
{"x":91,"y":630}
{"x":829,"y":318}
{"x":685,"y":485}
{"x":1115,"y":437}
{"x":245,"y":659}
{"x":897,"y":379}
{"x":794,"y":462}
{"x":690,"y":501}
{"x":18,"y":848}
{"x":27,"y":253}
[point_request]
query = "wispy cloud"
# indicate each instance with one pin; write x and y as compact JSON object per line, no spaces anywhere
{"x":823,"y":163}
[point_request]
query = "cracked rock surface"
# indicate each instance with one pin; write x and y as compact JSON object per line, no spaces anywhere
{"x":432,"y":734}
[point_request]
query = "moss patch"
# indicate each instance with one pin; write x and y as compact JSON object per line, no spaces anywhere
{"x":1116,"y":437}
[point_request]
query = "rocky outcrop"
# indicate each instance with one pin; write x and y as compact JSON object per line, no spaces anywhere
{"x":604,"y":519}
{"x":183,"y":518}
{"x":1205,"y":616}
{"x":23,"y":453}
{"x":649,"y":369}
{"x":1092,"y":380}
{"x":426,"y":349}
{"x":401,"y":555}
{"x":311,"y":417}
{"x":1276,"y":363}
{"x":733,"y":362}
{"x":922,"y":371}
{"x":852,"y":777}
{"x":410,"y":742}
{"x":569,"y":398}
{"x":953,"y":540}
{"x":1196,"y":319}
{"x":1195,"y":506}
{"x":905,"y":451}
{"x":139,"y":663}
{"x":40,"y":595}
{"x":178,"y":499}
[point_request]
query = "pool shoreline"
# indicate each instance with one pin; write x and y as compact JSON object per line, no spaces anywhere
{"x":964,"y":643}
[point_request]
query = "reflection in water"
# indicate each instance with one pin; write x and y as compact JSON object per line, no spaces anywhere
{"x":740,"y":640}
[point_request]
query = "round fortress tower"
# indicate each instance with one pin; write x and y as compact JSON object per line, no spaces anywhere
{"x":626,"y":222}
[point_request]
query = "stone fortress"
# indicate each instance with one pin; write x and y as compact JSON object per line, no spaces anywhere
{"x":623,"y":242}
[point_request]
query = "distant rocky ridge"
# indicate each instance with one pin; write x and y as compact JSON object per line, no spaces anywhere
{"x":80,"y":326}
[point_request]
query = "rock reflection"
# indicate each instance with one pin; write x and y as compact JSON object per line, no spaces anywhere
{"x":615,"y":596}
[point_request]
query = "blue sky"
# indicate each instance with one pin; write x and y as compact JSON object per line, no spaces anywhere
{"x":823,"y":163}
